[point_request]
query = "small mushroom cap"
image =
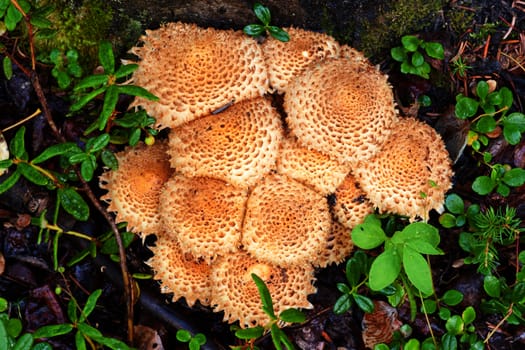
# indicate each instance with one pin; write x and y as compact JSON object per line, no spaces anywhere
{"x":338,"y":246}
{"x":204,"y":214}
{"x":411,"y":174}
{"x":235,"y":292}
{"x":286,"y":223}
{"x":310,"y":167}
{"x":285,"y":60}
{"x":351,"y":204}
{"x":195,"y":71}
{"x":239,"y":145}
{"x":134,"y":188}
{"x":179,"y":272}
{"x":340,"y":107}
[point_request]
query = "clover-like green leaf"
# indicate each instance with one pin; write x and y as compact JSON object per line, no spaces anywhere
{"x":262,"y":13}
{"x":385,"y":269}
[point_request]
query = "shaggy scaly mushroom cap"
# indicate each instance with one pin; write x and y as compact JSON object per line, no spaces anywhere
{"x":310,"y":167}
{"x":195,"y":71}
{"x":235,"y":293}
{"x":285,"y":60}
{"x":239,"y":145}
{"x":134,"y":189}
{"x":411,"y":174}
{"x":351,"y":204}
{"x":338,"y":246}
{"x":341,"y":107}
{"x":286,"y":223}
{"x":203,"y":214}
{"x":179,"y":272}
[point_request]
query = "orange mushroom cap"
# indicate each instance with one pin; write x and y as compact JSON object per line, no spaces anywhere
{"x":285,"y":60}
{"x":238,"y":145}
{"x":203,"y":214}
{"x":179,"y":272}
{"x":310,"y":167}
{"x":195,"y":71}
{"x":411,"y":174}
{"x":286,"y":223}
{"x":134,"y":188}
{"x":338,"y":246}
{"x":351,"y":204}
{"x":235,"y":292}
{"x":341,"y":107}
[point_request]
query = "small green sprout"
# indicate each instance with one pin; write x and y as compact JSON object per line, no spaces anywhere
{"x":411,"y":55}
{"x":263,"y":14}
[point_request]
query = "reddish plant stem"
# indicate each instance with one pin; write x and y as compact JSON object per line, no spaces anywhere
{"x":32,"y":74}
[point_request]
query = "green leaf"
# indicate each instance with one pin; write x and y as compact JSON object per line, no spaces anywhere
{"x":125,"y":70}
{"x":91,"y":82}
{"x":250,"y":333}
{"x":110,"y":103}
{"x":278,"y":33}
{"x":447,"y":220}
{"x":183,"y":335}
{"x":423,"y":247}
{"x":52,"y":330}
{"x":6,"y":163}
{"x":110,"y":246}
{"x":367,"y":236}
{"x":12,"y":17}
{"x":482,"y":89}
{"x":435,"y":50}
{"x":138,"y":91}
{"x":492,"y":286}
{"x":342,"y":304}
{"x":32,"y":174}
{"x":398,"y":53}
{"x":512,"y":135}
{"x":254,"y":30}
{"x":455,"y":325}
{"x":466,"y":107}
{"x":410,"y":42}
{"x":364,"y":303}
{"x":485,"y":124}
{"x":134,"y":137}
{"x":89,"y":331}
{"x":262,"y":13}
{"x":506,"y":97}
{"x":353,"y":271}
{"x":417,"y":270}
{"x":483,"y":185}
{"x":80,"y":341}
{"x":514,"y":177}
{"x":109,"y":159}
{"x":8,"y":67}
{"x":73,"y":203}
{"x":10,"y":181}
{"x":24,"y":342}
{"x":452,"y":297}
{"x":97,"y":143}
{"x":429,"y":306}
{"x":87,"y":168}
{"x":494,"y":99}
{"x":468,"y":315}
{"x":385,"y":269}
{"x":265,"y":296}
{"x":78,"y":158}
{"x":13,"y":327}
{"x":417,"y":59}
{"x":412,"y":344}
{"x":518,"y":293}
{"x":17,"y":144}
{"x":90,"y":305}
{"x":418,"y":231}
{"x":292,"y":316}
{"x":86,"y":98}
{"x":106,"y":57}
{"x":56,"y":150}
{"x":449,"y":342}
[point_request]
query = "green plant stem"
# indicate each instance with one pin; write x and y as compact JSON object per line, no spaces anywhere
{"x":427,"y":320}
{"x":71,"y":233}
{"x":410,"y":296}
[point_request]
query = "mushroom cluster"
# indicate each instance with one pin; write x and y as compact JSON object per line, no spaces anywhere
{"x":244,"y":185}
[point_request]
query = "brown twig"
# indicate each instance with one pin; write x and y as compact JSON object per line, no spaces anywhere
{"x":32,"y":74}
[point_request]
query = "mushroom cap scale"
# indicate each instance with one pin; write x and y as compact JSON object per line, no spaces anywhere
{"x":179,"y":272}
{"x":310,"y":167}
{"x":235,"y":292}
{"x":195,"y":71}
{"x":203,"y":214}
{"x":134,"y":188}
{"x":338,"y":246}
{"x":286,"y":223}
{"x":341,"y":107}
{"x":411,"y":174}
{"x":239,"y":145}
{"x":285,"y":60}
